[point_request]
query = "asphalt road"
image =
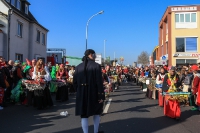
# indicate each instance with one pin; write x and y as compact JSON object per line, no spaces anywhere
{"x":129,"y":112}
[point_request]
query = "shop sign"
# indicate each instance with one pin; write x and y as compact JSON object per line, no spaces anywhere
{"x":184,"y":8}
{"x":160,"y":63}
{"x":186,"y":55}
{"x":195,"y":55}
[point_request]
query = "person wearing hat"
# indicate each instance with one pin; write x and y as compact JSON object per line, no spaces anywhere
{"x":90,"y":94}
{"x":196,"y":87}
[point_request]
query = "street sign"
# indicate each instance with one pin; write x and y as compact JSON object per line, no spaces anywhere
{"x":164,"y":58}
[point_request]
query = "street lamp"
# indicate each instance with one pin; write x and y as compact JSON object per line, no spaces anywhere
{"x":101,"y":12}
{"x":104,"y":51}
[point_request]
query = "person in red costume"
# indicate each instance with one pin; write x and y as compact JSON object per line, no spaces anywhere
{"x":62,"y":73}
{"x":196,"y":87}
{"x":125,"y":70}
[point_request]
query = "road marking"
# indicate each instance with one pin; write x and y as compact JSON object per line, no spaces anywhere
{"x":107,"y":106}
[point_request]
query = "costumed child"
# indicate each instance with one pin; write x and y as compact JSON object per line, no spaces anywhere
{"x":159,"y":84}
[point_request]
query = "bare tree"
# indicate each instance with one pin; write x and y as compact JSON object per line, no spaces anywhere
{"x":143,"y":58}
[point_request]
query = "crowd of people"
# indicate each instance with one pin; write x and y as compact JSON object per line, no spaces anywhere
{"x":162,"y":80}
{"x":14,"y":75}
{"x":171,"y":86}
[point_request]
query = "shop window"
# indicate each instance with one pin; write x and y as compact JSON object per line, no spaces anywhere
{"x":184,"y":61}
{"x":191,"y":61}
{"x":180,"y":61}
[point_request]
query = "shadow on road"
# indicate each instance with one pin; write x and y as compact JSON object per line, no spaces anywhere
{"x":140,"y":125}
{"x":23,"y":119}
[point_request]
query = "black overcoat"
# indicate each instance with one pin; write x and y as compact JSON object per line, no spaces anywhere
{"x":89,"y":89}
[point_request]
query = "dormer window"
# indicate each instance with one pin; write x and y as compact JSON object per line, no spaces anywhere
{"x":18,"y":4}
{"x":13,"y":2}
{"x":26,"y":8}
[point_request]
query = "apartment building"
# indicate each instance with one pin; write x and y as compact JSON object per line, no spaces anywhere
{"x":179,"y":33}
{"x":21,"y":35}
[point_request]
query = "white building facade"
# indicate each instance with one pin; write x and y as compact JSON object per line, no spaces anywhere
{"x":28,"y":38}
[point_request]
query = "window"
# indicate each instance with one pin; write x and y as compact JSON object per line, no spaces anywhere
{"x":38,"y":36}
{"x":166,"y":28}
{"x":193,"y":17}
{"x":13,"y":2}
{"x":18,"y":5}
{"x":8,"y":1}
{"x":180,"y":45}
{"x":176,"y":17}
{"x":186,"y":44}
{"x":19,"y":29}
{"x":26,"y":9}
{"x":184,"y":61}
{"x":19,"y":57}
{"x":191,"y":61}
{"x":191,"y":44}
{"x":166,"y":47}
{"x":180,"y":61}
{"x":43,"y":38}
{"x":185,"y":17}
{"x":181,"y":17}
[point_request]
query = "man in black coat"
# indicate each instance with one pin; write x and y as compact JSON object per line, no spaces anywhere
{"x":90,"y":94}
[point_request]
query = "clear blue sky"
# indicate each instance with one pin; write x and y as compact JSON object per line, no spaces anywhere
{"x":129,"y":26}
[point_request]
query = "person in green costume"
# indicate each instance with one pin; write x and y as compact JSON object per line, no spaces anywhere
{"x":53,"y":77}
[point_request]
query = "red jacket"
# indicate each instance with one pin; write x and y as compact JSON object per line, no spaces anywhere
{"x":125,"y":71}
{"x":195,"y":84}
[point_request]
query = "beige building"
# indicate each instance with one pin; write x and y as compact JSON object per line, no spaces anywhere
{"x":28,"y":38}
{"x":179,"y":33}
